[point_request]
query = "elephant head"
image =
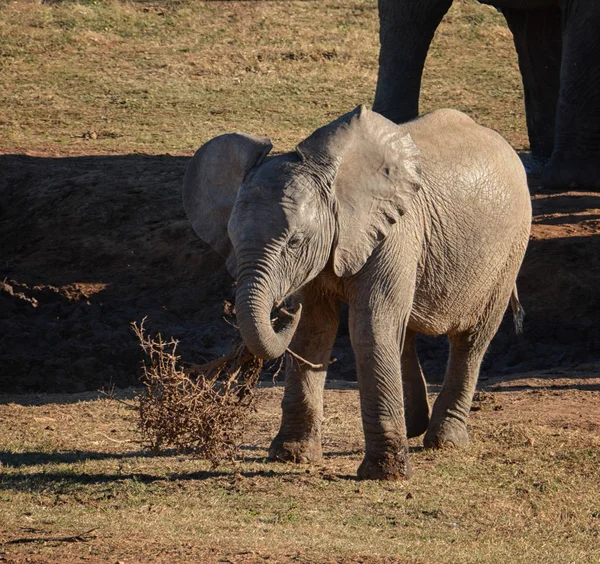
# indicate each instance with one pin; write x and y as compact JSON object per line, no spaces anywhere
{"x":280,"y":221}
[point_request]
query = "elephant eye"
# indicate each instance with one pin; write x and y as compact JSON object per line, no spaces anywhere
{"x":294,"y":241}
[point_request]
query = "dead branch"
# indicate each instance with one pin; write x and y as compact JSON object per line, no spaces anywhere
{"x":201,"y":409}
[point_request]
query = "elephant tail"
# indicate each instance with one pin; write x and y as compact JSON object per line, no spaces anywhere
{"x":518,"y":311}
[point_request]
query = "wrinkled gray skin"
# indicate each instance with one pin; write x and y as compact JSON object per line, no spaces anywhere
{"x":558,"y":44}
{"x":420,"y":228}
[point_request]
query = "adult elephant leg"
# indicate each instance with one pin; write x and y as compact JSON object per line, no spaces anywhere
{"x":575,"y":162}
{"x":376,"y":340}
{"x":416,"y":404}
{"x":537,"y":36}
{"x":406,"y":28}
{"x":299,"y":437}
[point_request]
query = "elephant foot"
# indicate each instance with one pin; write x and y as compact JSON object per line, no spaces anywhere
{"x":416,"y":423}
{"x":562,"y":174}
{"x":447,"y":434}
{"x":533,"y":164}
{"x":302,"y":451}
{"x":390,"y":466}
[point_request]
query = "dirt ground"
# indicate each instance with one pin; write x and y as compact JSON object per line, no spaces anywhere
{"x":75,"y":486}
{"x":92,"y":243}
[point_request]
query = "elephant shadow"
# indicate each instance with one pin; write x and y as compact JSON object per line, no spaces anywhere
{"x":93,"y":243}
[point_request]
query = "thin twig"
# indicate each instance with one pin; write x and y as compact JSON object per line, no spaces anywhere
{"x":230,"y":323}
{"x":279,"y":368}
{"x":110,"y":396}
{"x":114,"y":440}
{"x":210,"y":366}
{"x":308,"y":363}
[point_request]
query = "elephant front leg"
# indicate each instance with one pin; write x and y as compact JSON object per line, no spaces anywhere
{"x":299,"y":436}
{"x":376,"y":341}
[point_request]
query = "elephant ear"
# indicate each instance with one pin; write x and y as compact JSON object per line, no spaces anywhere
{"x":211,"y":182}
{"x":376,"y":171}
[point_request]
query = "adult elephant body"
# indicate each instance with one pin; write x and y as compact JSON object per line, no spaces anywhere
{"x":421,"y":228}
{"x":558,"y":45}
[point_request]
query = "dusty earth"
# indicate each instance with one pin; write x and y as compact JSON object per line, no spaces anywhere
{"x":82,"y":491}
{"x":90,"y":244}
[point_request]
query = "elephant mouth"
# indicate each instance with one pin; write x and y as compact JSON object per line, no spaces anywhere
{"x":284,"y":315}
{"x":288,"y":301}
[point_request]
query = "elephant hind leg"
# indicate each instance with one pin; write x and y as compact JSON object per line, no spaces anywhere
{"x":537,"y":36}
{"x":416,"y":404}
{"x":448,"y":425}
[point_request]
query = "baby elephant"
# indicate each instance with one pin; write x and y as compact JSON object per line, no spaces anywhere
{"x":419,"y":227}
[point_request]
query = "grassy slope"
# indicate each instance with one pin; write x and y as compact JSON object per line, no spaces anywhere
{"x":166,"y":76}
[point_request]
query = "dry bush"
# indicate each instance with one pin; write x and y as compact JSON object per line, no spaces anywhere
{"x":201,"y":410}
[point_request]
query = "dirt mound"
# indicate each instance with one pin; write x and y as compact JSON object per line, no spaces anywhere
{"x":90,"y":244}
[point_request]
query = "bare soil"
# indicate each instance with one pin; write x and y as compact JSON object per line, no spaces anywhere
{"x":76,"y":486}
{"x":92,"y":243}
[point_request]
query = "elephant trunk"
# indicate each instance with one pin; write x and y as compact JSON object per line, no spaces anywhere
{"x":254,"y":302}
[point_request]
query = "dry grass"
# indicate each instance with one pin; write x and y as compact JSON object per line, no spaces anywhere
{"x":201,"y":411}
{"x":525,"y":489}
{"x":154,"y":77}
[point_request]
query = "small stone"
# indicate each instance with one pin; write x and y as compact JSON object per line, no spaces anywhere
{"x":7,"y":288}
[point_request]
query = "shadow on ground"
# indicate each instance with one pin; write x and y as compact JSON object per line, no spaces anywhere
{"x":91,"y":244}
{"x":57,"y":479}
